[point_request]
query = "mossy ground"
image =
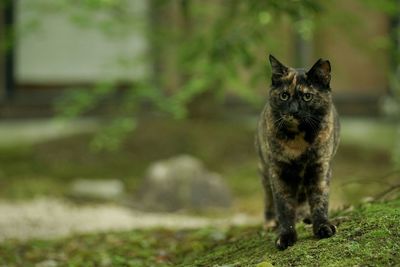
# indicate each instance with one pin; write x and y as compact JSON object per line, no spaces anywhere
{"x":370,"y":236}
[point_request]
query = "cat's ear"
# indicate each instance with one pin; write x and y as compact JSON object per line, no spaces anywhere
{"x":320,"y":74}
{"x":278,"y":70}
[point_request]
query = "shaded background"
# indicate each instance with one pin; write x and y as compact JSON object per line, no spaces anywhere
{"x":100,"y":89}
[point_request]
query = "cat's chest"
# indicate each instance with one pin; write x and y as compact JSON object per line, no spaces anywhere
{"x":294,"y":147}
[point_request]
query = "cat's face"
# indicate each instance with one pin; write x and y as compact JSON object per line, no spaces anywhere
{"x":300,"y":97}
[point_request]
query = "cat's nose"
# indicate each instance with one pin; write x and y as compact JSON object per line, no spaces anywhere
{"x":294,"y":108}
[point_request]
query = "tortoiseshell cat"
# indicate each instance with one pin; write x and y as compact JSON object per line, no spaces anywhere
{"x":297,"y":137}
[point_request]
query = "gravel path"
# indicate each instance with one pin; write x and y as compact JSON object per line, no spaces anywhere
{"x":52,"y":218}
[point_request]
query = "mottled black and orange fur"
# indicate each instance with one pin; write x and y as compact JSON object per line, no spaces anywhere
{"x":297,"y":137}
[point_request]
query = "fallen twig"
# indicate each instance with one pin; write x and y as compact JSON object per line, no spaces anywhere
{"x":381,"y":195}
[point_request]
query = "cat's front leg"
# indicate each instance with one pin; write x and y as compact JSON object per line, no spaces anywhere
{"x":270,"y":221}
{"x":285,"y":207}
{"x":318,"y":177}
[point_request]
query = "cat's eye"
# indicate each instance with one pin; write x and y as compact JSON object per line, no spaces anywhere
{"x":284,"y":96}
{"x":307,"y":97}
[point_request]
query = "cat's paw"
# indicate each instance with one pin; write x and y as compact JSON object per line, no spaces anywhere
{"x":324,"y":230}
{"x":285,"y":240}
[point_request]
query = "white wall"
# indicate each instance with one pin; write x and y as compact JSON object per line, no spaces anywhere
{"x":59,"y":51}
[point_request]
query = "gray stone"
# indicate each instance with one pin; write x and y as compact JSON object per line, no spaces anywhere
{"x":112,"y":189}
{"x":182,"y":182}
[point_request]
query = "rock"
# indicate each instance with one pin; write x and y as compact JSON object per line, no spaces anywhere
{"x":111,"y":189}
{"x":182,"y":182}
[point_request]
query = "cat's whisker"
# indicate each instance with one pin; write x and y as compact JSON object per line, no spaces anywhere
{"x":279,"y":123}
{"x":312,"y":122}
{"x":278,"y":120}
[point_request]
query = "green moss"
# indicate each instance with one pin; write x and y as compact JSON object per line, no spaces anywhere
{"x":369,"y":237}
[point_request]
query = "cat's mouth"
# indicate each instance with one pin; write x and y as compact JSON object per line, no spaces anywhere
{"x":291,"y":121}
